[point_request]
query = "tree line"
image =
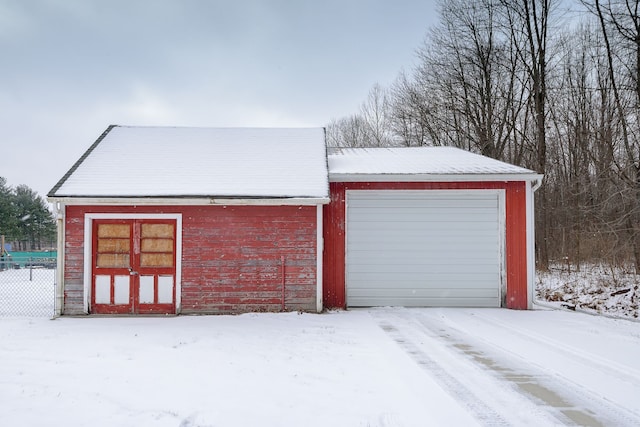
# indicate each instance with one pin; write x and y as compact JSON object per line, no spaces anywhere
{"x":551,"y":85}
{"x":25,"y":219}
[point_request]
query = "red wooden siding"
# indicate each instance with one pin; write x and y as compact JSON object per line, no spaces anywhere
{"x":515,"y":240}
{"x":232,"y":256}
{"x":334,"y":256}
{"x":516,"y":245}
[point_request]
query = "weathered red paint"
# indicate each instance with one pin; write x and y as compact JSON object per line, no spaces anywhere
{"x":516,"y":245}
{"x":515,"y":240}
{"x":231,"y":256}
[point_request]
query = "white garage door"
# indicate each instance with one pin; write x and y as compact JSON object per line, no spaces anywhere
{"x":424,"y":248}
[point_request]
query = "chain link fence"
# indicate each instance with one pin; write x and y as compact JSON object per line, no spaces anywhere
{"x":27,"y":287}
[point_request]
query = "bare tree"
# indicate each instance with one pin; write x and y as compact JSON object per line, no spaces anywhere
{"x":620,"y":27}
{"x":350,"y":131}
{"x":580,"y":112}
{"x":376,"y":114}
{"x":371,"y":127}
{"x":467,"y":90}
{"x":529,"y":21}
{"x":409,"y":111}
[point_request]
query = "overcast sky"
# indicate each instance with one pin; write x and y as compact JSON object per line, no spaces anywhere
{"x":69,"y":68}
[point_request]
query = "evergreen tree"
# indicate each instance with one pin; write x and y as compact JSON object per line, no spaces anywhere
{"x":35,"y":221}
{"x":25,"y":216}
{"x":8,"y":217}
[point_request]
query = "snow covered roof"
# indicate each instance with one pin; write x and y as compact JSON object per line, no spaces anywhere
{"x":421,"y":163}
{"x":170,"y":162}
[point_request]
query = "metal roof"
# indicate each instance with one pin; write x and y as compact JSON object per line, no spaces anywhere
{"x":173,"y":162}
{"x":162,"y":163}
{"x":419,"y":163}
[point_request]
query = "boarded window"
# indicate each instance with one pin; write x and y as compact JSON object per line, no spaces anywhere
{"x":114,"y":246}
{"x":157,"y":243}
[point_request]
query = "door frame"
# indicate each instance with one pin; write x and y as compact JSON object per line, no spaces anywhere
{"x":88,"y":245}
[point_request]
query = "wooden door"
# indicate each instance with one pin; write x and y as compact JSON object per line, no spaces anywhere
{"x":134,"y":267}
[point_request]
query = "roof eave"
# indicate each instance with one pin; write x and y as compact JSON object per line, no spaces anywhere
{"x":188,"y":200}
{"x":479,"y":177}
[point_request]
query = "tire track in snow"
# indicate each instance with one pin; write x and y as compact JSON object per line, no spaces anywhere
{"x":471,"y":371}
{"x":560,"y":394}
{"x":624,"y":373}
{"x":479,"y":410}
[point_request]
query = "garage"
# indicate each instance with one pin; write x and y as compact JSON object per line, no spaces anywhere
{"x":170,"y":220}
{"x":164,"y":220}
{"x":427,"y":227}
{"x":424,"y":248}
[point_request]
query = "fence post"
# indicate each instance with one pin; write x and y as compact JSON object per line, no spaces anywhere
{"x":2,"y":252}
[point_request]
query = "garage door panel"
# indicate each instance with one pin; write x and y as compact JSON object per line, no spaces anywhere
{"x":437,"y":286}
{"x":406,"y":258}
{"x":417,"y":199}
{"x":460,"y":292}
{"x":421,"y":270}
{"x":438,"y":283}
{"x":412,"y":243}
{"x":456,"y":298}
{"x":428,"y":216}
{"x":425,"y":238}
{"x":425,"y":229}
{"x":413,"y":207}
{"x":424,"y":266}
{"x":434,"y":229}
{"x":425,"y":270}
{"x":413,"y":301}
{"x":423,"y":248}
{"x":416,"y":251}
{"x":428,"y":206}
{"x":401,"y":223}
{"x":426,"y":247}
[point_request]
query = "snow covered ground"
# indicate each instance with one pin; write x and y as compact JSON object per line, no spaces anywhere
{"x":383,"y":367}
{"x":593,"y":288}
{"x":377,"y":367}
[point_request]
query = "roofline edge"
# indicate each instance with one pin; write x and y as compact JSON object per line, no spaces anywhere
{"x":345,"y":177}
{"x":199,"y":201}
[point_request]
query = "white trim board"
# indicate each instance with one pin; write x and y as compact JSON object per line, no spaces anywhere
{"x":531,"y":254}
{"x":319,"y":258}
{"x":344,"y":177}
{"x":187,"y":201}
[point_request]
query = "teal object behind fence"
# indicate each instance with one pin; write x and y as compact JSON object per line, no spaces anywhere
{"x":45,"y":259}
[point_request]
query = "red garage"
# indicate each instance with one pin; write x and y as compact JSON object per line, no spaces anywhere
{"x":183,"y":220}
{"x":160,"y":220}
{"x":428,"y":226}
